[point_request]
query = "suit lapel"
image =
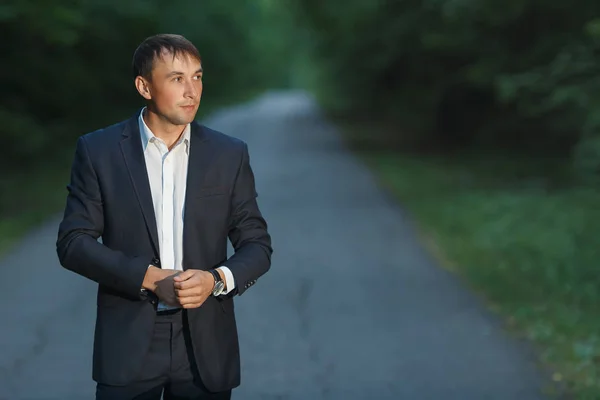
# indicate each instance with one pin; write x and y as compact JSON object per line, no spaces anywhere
{"x":200,"y":158}
{"x":131,"y":147}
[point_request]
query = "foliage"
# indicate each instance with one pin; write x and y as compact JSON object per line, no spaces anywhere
{"x":66,"y":64}
{"x":523,"y":74}
{"x":66,"y":70}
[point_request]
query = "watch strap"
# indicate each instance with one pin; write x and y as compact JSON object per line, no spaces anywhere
{"x":219,"y":284}
{"x":216,"y":275}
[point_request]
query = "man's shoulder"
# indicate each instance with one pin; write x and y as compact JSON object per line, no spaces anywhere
{"x":106,"y":134}
{"x":114,"y":133}
{"x":221,"y":139}
{"x":111,"y":133}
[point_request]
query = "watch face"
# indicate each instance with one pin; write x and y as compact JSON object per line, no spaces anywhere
{"x":219,"y":286}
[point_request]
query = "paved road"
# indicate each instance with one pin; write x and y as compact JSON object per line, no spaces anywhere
{"x":353,"y":307}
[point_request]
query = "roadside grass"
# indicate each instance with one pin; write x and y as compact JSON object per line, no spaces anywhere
{"x":520,"y":235}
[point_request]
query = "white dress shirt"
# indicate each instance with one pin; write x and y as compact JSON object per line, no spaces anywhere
{"x":167,"y":174}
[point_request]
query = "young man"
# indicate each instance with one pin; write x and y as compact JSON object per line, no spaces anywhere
{"x":164,"y":193}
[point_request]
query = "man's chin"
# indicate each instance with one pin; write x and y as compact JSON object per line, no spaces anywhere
{"x":184,"y":120}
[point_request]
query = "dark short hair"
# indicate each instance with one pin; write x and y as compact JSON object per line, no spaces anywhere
{"x":154,"y":46}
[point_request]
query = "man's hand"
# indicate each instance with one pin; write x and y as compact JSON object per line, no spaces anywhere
{"x":160,"y":281}
{"x":192,"y":287}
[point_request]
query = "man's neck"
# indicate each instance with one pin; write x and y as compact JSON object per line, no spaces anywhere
{"x":162,"y":129}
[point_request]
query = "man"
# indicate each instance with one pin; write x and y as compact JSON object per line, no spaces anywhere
{"x":164,"y":194}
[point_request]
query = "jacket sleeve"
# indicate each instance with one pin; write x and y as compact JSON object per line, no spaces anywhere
{"x":247,"y":230}
{"x":77,"y":245}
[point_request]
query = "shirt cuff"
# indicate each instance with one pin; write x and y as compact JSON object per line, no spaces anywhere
{"x":228,"y":279}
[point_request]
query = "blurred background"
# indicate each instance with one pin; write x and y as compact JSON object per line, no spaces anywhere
{"x":482,"y":117}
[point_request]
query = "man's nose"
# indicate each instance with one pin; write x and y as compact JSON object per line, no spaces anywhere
{"x":190,"y":90}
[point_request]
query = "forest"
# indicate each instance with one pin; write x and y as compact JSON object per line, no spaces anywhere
{"x":481,"y":116}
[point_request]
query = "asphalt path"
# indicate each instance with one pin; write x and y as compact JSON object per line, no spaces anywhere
{"x":354,"y":307}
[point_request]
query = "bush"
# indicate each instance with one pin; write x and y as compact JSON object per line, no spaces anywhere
{"x":518,"y":74}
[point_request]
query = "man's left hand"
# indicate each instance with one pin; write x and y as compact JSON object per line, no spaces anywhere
{"x":192,"y":287}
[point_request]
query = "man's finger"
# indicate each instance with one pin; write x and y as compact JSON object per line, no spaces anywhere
{"x":188,"y":292}
{"x":191,"y":300}
{"x":185,"y":275}
{"x":187,"y":284}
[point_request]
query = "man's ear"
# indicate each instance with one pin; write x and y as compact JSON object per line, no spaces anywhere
{"x":143,"y":87}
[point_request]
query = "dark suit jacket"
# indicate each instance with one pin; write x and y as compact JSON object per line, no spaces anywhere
{"x":109,"y":197}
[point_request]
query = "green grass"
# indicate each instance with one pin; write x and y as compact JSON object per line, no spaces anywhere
{"x":529,"y":245}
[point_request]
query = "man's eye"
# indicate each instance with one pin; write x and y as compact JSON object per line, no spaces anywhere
{"x":198,"y":77}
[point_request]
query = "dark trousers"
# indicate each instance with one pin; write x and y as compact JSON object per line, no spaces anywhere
{"x":169,"y":369}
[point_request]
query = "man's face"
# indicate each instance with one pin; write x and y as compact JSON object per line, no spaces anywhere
{"x":175,"y":88}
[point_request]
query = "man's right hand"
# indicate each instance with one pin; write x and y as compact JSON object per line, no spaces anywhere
{"x":160,"y":281}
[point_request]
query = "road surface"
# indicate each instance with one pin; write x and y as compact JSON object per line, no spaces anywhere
{"x":353,"y":307}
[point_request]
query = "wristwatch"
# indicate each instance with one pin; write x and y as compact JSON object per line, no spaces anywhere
{"x":219,"y":284}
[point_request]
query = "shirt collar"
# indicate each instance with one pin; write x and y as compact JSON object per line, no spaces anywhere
{"x":147,"y":135}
